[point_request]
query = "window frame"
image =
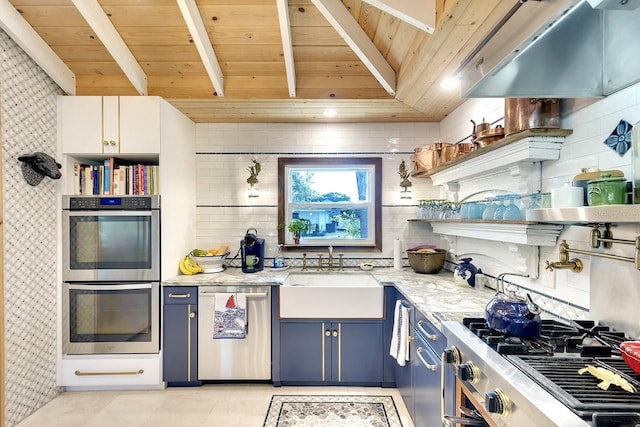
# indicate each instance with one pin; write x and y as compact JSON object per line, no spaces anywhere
{"x":374,"y":244}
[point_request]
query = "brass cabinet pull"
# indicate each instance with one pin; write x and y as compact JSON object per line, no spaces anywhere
{"x":89,"y":373}
{"x":327,"y":333}
{"x":432,"y":337}
{"x":176,"y":296}
{"x":192,"y":315}
{"x":335,"y":334}
{"x":429,"y":366}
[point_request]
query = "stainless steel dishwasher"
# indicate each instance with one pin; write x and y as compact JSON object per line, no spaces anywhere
{"x":247,"y":358}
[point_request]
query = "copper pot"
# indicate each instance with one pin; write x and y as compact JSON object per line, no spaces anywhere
{"x":426,"y":158}
{"x":490,"y":136}
{"x":463,"y":148}
{"x":447,"y":152}
{"x":531,"y":113}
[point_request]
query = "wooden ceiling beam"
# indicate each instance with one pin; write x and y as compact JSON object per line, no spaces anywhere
{"x":107,"y":33}
{"x":349,"y":29}
{"x":287,"y":46}
{"x":421,"y":13}
{"x":30,"y":41}
{"x":200,"y":37}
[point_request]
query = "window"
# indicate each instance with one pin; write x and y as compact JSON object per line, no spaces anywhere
{"x":337,"y":199}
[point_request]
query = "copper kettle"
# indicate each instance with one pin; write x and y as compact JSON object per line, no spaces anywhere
{"x":479,"y":128}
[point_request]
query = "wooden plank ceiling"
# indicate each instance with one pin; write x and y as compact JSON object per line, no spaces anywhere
{"x":246,"y":38}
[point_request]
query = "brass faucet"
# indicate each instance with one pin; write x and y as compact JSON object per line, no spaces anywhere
{"x":329,"y":263}
{"x":573,"y":264}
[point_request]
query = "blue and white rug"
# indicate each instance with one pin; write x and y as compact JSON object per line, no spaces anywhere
{"x":332,"y":411}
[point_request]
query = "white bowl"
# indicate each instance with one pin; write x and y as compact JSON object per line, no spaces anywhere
{"x":366,"y":267}
{"x":210,"y":264}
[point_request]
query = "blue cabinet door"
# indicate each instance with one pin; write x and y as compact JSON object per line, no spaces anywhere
{"x":426,"y":367}
{"x":359,"y":352}
{"x":301,"y":352}
{"x":331,"y":352}
{"x":180,"y":336}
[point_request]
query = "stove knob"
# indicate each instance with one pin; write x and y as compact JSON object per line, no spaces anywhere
{"x":497,"y":402}
{"x":468,"y":372}
{"x":452,"y":355}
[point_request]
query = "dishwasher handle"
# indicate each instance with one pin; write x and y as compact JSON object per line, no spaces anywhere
{"x":245,"y":294}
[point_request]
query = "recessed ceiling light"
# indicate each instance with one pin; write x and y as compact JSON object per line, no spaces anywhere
{"x":330,"y":112}
{"x":450,"y":83}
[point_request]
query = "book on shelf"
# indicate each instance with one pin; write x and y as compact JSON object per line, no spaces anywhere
{"x":115,"y":176}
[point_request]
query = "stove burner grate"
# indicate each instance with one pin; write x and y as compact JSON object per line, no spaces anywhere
{"x":585,"y":338}
{"x":559,"y":376}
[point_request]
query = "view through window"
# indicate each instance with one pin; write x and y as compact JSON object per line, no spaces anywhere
{"x":329,"y":201}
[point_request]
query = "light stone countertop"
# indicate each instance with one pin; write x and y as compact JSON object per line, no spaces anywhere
{"x":437,"y":296}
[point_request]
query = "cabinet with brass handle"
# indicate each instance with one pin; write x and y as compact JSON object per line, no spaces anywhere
{"x":180,"y":335}
{"x":315,"y":352}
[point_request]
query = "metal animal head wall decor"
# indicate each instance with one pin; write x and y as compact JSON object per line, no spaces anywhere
{"x":38,"y":165}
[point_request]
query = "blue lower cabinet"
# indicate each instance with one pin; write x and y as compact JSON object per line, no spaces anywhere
{"x":180,"y":336}
{"x":331,"y":352}
{"x":426,"y":367}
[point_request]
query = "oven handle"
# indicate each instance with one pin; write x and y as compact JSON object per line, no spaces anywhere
{"x":112,"y":287}
{"x":445,"y":421}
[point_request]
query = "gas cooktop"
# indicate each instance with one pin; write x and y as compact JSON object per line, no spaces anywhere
{"x":583,"y":338}
{"x":552,"y":362}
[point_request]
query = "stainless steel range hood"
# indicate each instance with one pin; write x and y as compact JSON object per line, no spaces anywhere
{"x":557,"y":49}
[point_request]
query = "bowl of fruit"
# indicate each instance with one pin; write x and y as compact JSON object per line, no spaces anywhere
{"x":212,"y":260}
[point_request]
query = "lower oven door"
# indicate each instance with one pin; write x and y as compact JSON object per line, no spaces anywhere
{"x":111,"y":318}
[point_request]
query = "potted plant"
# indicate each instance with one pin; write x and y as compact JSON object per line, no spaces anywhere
{"x":296,"y":227}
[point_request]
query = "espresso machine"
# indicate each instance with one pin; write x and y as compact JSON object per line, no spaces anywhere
{"x":252,"y":252}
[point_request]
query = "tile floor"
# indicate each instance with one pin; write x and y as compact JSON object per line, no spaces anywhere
{"x":216,"y":405}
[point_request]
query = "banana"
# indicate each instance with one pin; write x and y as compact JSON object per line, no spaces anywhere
{"x":183,"y":267}
{"x":223,"y":249}
{"x":191,"y":265}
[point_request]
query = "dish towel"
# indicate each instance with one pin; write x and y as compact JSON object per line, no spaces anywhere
{"x":399,"y":348}
{"x":230,"y":316}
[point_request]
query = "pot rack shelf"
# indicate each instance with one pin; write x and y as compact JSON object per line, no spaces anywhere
{"x":527,"y":146}
{"x":520,"y":232}
{"x":511,"y":152}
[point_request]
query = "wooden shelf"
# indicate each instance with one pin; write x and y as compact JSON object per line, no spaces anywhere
{"x":530,"y":145}
{"x":520,"y":232}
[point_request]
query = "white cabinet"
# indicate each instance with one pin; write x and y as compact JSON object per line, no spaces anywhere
{"x":110,"y":125}
{"x":103,"y":372}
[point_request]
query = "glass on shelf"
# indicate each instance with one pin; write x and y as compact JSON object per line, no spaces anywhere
{"x":491,"y":205}
{"x":511,"y":210}
{"x":499,"y":211}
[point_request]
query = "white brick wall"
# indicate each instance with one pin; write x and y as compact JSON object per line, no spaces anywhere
{"x":591,"y":121}
{"x":224,"y":152}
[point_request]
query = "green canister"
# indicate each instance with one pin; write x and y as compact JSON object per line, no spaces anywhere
{"x":607,"y":190}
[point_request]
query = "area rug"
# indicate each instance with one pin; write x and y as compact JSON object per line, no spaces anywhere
{"x":332,"y":411}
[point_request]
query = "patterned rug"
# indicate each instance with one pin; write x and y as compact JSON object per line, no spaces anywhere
{"x":332,"y":411}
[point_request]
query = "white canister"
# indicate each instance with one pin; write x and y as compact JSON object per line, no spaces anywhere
{"x":567,"y":197}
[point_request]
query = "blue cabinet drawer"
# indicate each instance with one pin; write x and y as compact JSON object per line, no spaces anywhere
{"x":172,"y":295}
{"x":433,"y":336}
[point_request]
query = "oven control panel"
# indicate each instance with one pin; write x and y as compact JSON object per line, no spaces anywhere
{"x":125,"y":203}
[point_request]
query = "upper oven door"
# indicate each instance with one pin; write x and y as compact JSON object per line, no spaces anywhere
{"x":111,"y":245}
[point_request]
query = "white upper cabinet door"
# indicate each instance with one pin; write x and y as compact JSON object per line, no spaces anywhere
{"x":81,"y":124}
{"x":139,"y":125}
{"x":110,"y":125}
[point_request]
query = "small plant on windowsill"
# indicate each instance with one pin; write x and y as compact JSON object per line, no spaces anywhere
{"x":296,"y":227}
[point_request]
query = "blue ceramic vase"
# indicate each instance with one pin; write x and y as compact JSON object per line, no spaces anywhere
{"x":465,"y":272}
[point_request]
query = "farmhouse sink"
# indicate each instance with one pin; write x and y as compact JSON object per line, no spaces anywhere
{"x":331,"y":296}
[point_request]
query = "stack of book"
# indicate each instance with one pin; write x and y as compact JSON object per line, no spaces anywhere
{"x":115,"y":177}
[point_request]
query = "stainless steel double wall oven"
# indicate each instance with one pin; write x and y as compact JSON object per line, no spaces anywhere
{"x":111,"y":274}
